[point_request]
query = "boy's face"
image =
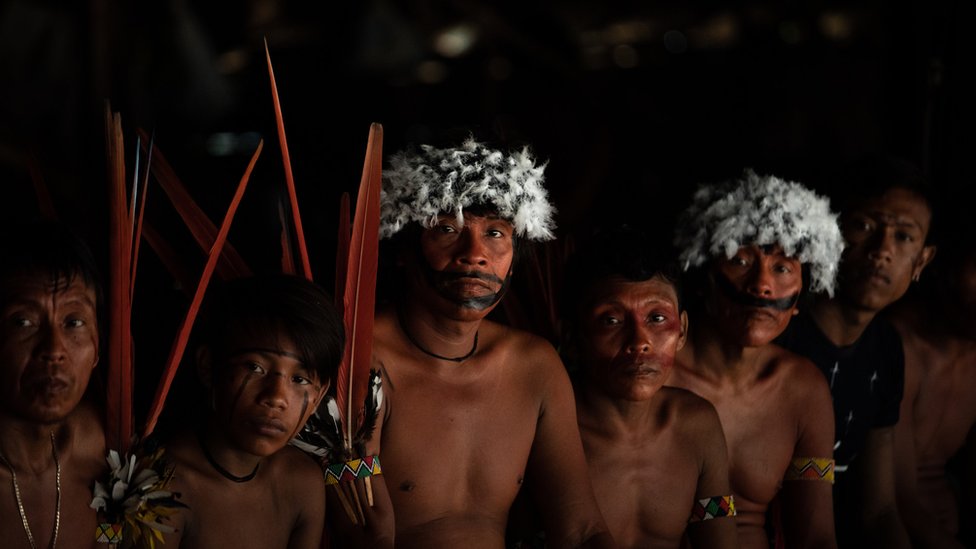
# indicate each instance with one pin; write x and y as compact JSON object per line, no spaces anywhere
{"x":630,"y":333}
{"x":885,"y":248}
{"x":467,"y":266}
{"x":263,"y":392}
{"x":755,"y":293}
{"x":48,"y":346}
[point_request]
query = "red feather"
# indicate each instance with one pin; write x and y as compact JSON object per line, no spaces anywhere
{"x":179,"y":346}
{"x":359,"y":296}
{"x":230,"y":264}
{"x":118,"y":424}
{"x":140,"y":214}
{"x":287,"y":259}
{"x":342,"y":250}
{"x":289,"y":178}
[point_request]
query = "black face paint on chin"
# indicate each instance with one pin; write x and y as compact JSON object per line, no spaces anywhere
{"x":741,"y":298}
{"x":438,"y":280}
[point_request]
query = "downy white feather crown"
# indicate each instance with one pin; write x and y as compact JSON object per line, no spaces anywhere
{"x":419,"y":187}
{"x":762,"y":210}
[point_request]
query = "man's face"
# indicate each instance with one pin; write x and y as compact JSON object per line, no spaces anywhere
{"x":755,"y":293}
{"x":48,"y":346}
{"x":629,"y":334}
{"x":466,"y":266}
{"x":263,"y":392}
{"x":885,"y":249}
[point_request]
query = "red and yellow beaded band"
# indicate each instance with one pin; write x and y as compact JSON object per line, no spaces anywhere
{"x":353,"y":469}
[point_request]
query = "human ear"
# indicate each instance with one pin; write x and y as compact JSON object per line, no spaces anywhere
{"x":683,"y":336}
{"x":924,"y":258}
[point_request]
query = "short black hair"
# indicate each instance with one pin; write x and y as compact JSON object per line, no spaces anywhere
{"x":622,"y":251}
{"x":46,"y":248}
{"x":276,"y":304}
{"x":871,"y":176}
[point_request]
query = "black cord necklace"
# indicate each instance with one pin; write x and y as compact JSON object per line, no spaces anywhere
{"x":224,"y":472}
{"x":462,"y":358}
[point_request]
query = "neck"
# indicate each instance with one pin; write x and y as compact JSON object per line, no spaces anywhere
{"x":437,"y":334}
{"x":234,"y":462}
{"x":615,"y":415}
{"x":842,"y":324}
{"x":720,"y":358}
{"x":27,"y":444}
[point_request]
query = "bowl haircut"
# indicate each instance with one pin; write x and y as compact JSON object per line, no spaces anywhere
{"x":280,"y":305}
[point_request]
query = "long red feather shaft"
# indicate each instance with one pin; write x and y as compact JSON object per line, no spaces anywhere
{"x":230,"y":264}
{"x":183,"y":336}
{"x":170,"y":258}
{"x":140,"y":214}
{"x":119,"y":391}
{"x":359,"y":297}
{"x":342,"y":251}
{"x":287,"y":258}
{"x":289,"y":177}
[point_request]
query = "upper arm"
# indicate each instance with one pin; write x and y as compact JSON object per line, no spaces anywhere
{"x":807,"y":505}
{"x":308,"y":492}
{"x":557,"y":469}
{"x":712,"y":481}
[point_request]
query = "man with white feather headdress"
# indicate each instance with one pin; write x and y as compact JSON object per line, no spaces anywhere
{"x":473,"y":407}
{"x":754,"y":243}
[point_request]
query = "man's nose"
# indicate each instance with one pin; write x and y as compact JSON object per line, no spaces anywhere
{"x":51,"y":345}
{"x":882,"y":244}
{"x":760,"y":281}
{"x":639,"y":341}
{"x":471,"y":248}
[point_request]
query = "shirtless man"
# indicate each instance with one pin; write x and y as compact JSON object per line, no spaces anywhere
{"x":268,"y":345}
{"x":938,"y":413}
{"x":885,"y":222}
{"x":473,"y":407}
{"x":754,"y":238}
{"x":52,"y":445}
{"x":656,"y":454}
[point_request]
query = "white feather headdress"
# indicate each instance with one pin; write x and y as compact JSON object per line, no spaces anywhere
{"x":436,"y":181}
{"x":762,"y":210}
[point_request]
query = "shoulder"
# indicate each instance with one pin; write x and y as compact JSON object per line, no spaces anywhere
{"x":296,"y":466}
{"x":692,"y":413}
{"x":87,"y":431}
{"x":802,"y":380}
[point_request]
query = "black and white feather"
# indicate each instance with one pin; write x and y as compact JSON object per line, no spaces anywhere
{"x":419,"y":187}
{"x":762,"y":210}
{"x":322,"y":434}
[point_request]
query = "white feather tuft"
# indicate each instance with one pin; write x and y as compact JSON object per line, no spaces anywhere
{"x":418,"y":188}
{"x":762,"y":210}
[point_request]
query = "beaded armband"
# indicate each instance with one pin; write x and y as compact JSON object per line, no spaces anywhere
{"x":353,"y":469}
{"x":811,"y":469}
{"x":711,"y":508}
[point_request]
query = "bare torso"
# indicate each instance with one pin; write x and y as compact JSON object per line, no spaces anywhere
{"x":646,"y":481}
{"x":81,"y":451}
{"x":940,"y":379}
{"x":764,"y":417}
{"x":457,"y":437}
{"x":281,"y":507}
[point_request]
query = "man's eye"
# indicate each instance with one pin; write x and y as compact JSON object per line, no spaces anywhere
{"x":21,"y":322}
{"x":904,"y":237}
{"x":301,"y":380}
{"x":495,"y":233}
{"x":254,"y":367}
{"x":738,"y":261}
{"x":446,"y":229}
{"x":783,"y":269}
{"x":75,"y":323}
{"x":609,"y":320}
{"x":657,"y":318}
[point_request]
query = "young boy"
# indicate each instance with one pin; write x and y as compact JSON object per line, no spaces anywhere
{"x":269,"y":347}
{"x":657,"y":456}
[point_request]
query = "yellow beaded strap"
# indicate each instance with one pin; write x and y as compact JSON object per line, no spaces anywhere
{"x":804,"y":468}
{"x":711,"y":508}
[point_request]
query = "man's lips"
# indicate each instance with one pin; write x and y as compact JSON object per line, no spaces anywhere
{"x":47,"y":384}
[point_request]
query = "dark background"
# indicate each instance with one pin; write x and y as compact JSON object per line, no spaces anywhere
{"x":631,"y":103}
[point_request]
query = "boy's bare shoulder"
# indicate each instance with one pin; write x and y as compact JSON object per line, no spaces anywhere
{"x":296,"y":464}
